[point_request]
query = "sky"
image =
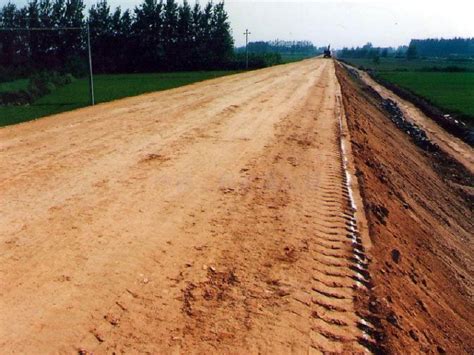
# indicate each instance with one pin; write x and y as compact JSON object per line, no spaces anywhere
{"x":341,"y":23}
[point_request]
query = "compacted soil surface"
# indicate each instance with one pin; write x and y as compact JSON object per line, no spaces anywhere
{"x":420,"y":215}
{"x":276,"y":211}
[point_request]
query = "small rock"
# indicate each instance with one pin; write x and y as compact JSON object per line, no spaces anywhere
{"x":98,"y":336}
{"x":396,"y":255}
{"x":422,"y":305}
{"x":392,"y":319}
{"x":440,"y":349}
{"x":413,"y":335}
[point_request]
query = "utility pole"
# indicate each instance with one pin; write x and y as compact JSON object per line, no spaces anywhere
{"x":246,"y":33}
{"x":91,"y":78}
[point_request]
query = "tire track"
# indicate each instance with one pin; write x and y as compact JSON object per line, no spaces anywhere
{"x":312,"y":261}
{"x":230,"y":227}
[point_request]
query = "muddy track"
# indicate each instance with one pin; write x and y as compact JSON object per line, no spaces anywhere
{"x":218,"y":217}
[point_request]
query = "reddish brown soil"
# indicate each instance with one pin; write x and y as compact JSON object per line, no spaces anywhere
{"x":206,"y":219}
{"x":421,"y":228}
{"x":219,"y":218}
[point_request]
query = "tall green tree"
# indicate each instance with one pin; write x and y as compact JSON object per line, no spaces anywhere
{"x":185,"y":40}
{"x":221,"y":41}
{"x":73,"y":17}
{"x":147,"y":35}
{"x":411,"y":51}
{"x":156,"y":36}
{"x":170,"y":34}
{"x":101,"y":29}
{"x":9,"y":40}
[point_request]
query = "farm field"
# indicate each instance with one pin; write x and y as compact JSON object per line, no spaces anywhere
{"x":452,"y":92}
{"x":107,"y":88}
{"x":403,"y":64}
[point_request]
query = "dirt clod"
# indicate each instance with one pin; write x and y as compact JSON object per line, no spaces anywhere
{"x":396,"y":255}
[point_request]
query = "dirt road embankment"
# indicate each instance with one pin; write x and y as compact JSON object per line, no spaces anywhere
{"x":212,"y":218}
{"x":421,"y":224}
{"x":225,"y":217}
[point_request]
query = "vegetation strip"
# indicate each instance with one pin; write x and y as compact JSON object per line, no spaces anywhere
{"x":108,"y":88}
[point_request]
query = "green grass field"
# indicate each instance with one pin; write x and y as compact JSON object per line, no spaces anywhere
{"x":402,"y":64}
{"x":107,"y":88}
{"x":453,"y":92}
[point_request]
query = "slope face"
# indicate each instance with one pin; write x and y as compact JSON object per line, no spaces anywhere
{"x":421,"y":227}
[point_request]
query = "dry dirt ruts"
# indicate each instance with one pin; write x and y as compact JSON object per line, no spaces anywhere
{"x":209,"y":218}
{"x":218,"y":218}
{"x":421,"y":230}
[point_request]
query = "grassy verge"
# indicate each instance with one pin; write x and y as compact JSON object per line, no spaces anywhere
{"x":451,"y":92}
{"x":107,"y":88}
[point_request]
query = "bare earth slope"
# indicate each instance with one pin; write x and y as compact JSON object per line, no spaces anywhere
{"x":209,"y":217}
{"x":454,"y":146}
{"x":421,"y":227}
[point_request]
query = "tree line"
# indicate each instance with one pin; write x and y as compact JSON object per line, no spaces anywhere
{"x":155,"y":36}
{"x":283,"y":47}
{"x":440,"y":47}
{"x":369,"y":51}
{"x":431,"y":47}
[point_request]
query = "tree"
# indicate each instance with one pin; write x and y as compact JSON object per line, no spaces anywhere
{"x":157,"y":35}
{"x":411,"y":51}
{"x":73,"y":17}
{"x":203,"y":43}
{"x":9,"y":40}
{"x":185,"y":36}
{"x":100,"y":22}
{"x":221,"y":44}
{"x":170,"y":35}
{"x":147,"y":35}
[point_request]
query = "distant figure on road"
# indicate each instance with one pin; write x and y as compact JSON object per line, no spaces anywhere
{"x":327,"y":52}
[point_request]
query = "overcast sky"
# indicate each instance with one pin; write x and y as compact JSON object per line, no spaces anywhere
{"x":342,"y":23}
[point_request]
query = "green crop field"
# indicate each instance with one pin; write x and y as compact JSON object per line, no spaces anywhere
{"x":403,"y":64}
{"x":107,"y":88}
{"x":453,"y":92}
